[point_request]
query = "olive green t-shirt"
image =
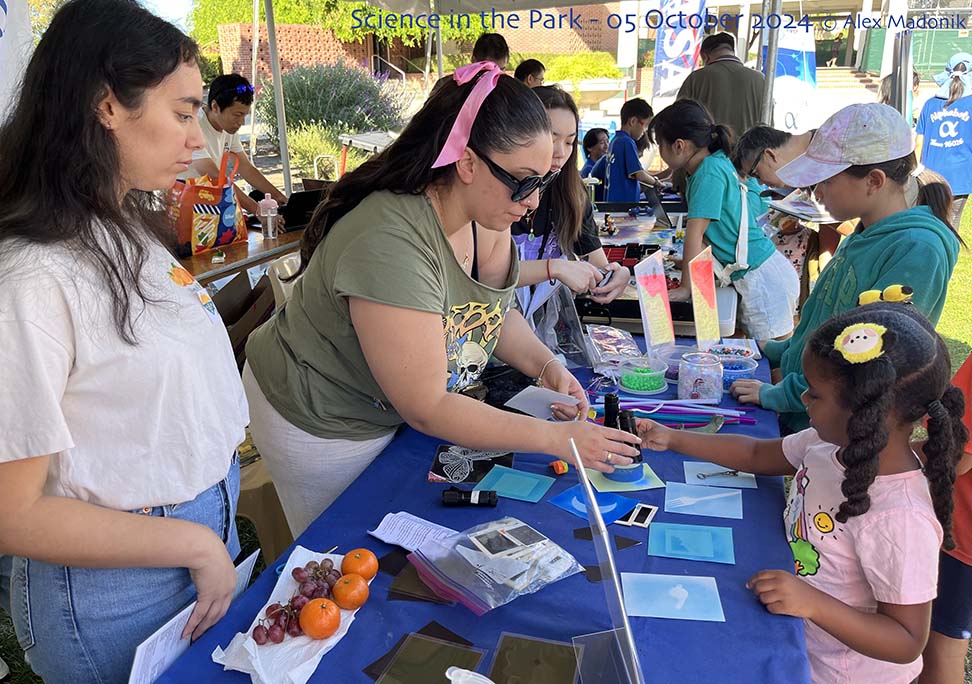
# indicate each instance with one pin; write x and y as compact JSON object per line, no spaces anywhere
{"x":389,"y":249}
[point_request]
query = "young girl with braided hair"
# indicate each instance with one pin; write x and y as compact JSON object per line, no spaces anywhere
{"x":864,"y":519}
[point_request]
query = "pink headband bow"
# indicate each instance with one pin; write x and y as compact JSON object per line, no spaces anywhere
{"x":459,"y":135}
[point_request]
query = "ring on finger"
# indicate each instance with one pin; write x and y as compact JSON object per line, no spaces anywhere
{"x":609,"y":457}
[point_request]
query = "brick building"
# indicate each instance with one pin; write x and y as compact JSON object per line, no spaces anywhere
{"x":300,"y":45}
{"x":297,"y":45}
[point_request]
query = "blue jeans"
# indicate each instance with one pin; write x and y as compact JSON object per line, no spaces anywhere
{"x":82,"y":625}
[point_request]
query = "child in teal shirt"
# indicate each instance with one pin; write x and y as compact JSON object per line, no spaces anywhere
{"x":690,"y":141}
{"x":861,"y":162}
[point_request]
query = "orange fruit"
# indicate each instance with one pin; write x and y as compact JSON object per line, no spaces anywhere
{"x":320,"y":618}
{"x":360,"y":562}
{"x":350,"y":592}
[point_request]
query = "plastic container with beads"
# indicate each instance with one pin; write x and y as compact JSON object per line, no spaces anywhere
{"x":700,"y":378}
{"x":642,"y":375}
{"x":673,"y":357}
{"x":736,"y":368}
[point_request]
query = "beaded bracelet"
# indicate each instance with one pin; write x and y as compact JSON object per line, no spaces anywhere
{"x":540,"y":376}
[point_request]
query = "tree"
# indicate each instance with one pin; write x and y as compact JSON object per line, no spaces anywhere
{"x":41,"y":13}
{"x":335,"y":15}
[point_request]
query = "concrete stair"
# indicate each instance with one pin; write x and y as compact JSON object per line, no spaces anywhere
{"x":846,"y":78}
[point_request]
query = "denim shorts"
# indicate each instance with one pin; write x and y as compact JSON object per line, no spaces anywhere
{"x":82,"y":625}
{"x":952,"y":610}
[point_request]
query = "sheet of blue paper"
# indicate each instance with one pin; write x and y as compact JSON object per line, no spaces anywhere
{"x":677,"y":597}
{"x":515,"y":484}
{"x":717,"y":502}
{"x":691,"y":542}
{"x":612,"y":506}
{"x":694,"y":468}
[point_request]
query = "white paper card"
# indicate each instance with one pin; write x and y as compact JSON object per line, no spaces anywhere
{"x":536,"y":401}
{"x":154,"y":655}
{"x":408,"y":531}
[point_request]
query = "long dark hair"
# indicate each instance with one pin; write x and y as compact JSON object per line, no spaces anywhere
{"x":567,"y":196}
{"x":60,"y":167}
{"x":510,"y":116}
{"x":933,"y":190}
{"x":956,"y":86}
{"x":689,"y":120}
{"x":911,"y":379}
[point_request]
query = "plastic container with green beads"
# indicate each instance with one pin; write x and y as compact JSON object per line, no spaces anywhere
{"x":643,"y":375}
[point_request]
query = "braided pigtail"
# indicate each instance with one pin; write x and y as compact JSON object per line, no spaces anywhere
{"x":892,"y":369}
{"x":867,"y":433}
{"x":946,"y":439}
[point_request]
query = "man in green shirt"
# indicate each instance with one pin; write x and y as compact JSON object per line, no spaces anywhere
{"x":731,"y":91}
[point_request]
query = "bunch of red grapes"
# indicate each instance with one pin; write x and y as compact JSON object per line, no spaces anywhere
{"x":315,"y":580}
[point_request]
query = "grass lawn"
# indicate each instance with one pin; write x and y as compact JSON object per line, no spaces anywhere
{"x":955,"y":326}
{"x":956,"y":322}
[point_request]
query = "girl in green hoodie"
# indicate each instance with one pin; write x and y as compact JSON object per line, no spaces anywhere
{"x":861,"y":163}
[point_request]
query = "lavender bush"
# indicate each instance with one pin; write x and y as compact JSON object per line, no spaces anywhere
{"x":340,"y":98}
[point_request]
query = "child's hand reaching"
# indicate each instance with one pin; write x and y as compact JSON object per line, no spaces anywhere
{"x":653,"y":436}
{"x":746,"y":391}
{"x":783,"y":593}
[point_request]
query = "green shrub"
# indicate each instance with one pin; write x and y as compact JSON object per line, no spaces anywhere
{"x":340,"y":97}
{"x":581,"y":66}
{"x":307,"y":140}
{"x":416,"y":65}
{"x":560,"y":67}
{"x":211,"y":66}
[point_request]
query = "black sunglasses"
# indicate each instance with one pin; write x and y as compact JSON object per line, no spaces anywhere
{"x":521,"y":188}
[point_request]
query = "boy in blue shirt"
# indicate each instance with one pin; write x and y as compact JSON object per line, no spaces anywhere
{"x":621,"y":167}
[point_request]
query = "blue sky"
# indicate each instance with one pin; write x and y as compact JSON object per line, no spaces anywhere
{"x":176,"y":11}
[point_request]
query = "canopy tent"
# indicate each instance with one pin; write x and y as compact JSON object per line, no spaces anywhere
{"x":446,"y":7}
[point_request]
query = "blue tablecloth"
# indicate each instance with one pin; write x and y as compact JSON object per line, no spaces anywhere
{"x":750,"y":646}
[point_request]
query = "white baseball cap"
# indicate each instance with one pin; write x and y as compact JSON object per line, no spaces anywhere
{"x":856,"y":135}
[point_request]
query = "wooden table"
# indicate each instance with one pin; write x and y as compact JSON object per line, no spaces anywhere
{"x":240,"y":256}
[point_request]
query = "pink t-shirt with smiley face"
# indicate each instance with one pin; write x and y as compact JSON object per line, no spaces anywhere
{"x":887,"y":555}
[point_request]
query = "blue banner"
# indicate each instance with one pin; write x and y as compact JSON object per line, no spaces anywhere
{"x":676,"y":46}
{"x":796,"y":55}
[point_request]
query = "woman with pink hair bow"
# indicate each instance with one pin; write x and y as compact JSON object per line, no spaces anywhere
{"x":402,"y":301}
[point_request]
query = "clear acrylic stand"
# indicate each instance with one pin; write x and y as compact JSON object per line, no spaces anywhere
{"x":608,"y":657}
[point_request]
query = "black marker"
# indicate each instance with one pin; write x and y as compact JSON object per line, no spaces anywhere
{"x":628,"y":424}
{"x":460,"y":497}
{"x":611,"y":409}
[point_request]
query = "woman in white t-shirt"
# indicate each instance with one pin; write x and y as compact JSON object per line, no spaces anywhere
{"x":121,"y":406}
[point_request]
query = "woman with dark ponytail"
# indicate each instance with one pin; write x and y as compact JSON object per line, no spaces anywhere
{"x":865,"y":517}
{"x":690,"y":141}
{"x":401,"y":304}
{"x":945,"y":131}
{"x":558,"y":241}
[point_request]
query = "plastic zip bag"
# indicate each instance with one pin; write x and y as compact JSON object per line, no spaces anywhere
{"x":610,"y":347}
{"x":489,"y":565}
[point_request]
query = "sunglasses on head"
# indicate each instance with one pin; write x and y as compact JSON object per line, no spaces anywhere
{"x":239,"y":90}
{"x":521,"y":188}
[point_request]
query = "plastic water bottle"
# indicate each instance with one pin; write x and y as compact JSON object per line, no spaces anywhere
{"x":268,"y":217}
{"x":459,"y":676}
